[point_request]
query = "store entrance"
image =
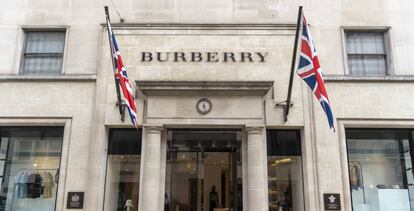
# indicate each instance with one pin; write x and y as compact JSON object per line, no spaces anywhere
{"x":203,"y":171}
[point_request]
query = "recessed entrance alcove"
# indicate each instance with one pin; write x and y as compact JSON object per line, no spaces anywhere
{"x":187,"y":151}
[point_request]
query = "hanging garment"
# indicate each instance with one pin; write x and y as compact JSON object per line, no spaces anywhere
{"x":355,"y":175}
{"x":47,"y":184}
{"x":37,"y":189}
{"x":30,"y":185}
{"x":21,"y":187}
{"x":57,"y":176}
{"x":34,"y":186}
{"x":25,"y":178}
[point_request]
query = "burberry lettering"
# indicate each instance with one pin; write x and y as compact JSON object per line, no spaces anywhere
{"x":208,"y":57}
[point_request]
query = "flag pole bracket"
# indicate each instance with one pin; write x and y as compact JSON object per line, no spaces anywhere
{"x":285,"y":105}
{"x":122,"y":106}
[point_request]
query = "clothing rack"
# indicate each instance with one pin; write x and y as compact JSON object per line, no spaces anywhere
{"x":40,"y":186}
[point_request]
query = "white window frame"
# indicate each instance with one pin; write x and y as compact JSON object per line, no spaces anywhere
{"x":389,"y":70}
{"x":25,"y":29}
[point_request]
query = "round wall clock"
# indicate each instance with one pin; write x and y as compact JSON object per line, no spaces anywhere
{"x":204,"y":106}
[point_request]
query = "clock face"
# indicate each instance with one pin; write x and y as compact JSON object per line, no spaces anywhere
{"x":204,"y":106}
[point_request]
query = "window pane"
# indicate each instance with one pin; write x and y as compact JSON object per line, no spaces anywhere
{"x":123,"y":169}
{"x":53,"y":146}
{"x":380,"y":169}
{"x":43,"y":65}
{"x":3,"y":147}
{"x":124,"y":141}
{"x":366,"y":53}
{"x":43,"y":53}
{"x":365,"y":43}
{"x":30,"y":171}
{"x":284,"y":166}
{"x":368,"y":65}
{"x":122,"y":182}
{"x":2,"y":163}
{"x":45,"y":42}
{"x":283,"y":143}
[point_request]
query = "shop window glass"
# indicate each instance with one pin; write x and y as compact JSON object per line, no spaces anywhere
{"x":380,"y":169}
{"x":284,"y":165}
{"x":29,"y":170}
{"x":123,"y":170}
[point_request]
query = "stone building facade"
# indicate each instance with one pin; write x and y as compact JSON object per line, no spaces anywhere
{"x":207,"y":77}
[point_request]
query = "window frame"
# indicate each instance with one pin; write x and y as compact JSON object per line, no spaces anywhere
{"x":389,"y":70}
{"x":28,"y":29}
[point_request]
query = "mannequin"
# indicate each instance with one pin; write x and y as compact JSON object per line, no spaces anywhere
{"x":213,"y":198}
{"x":128,"y":205}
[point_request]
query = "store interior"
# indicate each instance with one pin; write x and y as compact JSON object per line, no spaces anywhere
{"x":30,"y":160}
{"x":285,"y":183}
{"x":381,"y":174}
{"x":203,"y":172}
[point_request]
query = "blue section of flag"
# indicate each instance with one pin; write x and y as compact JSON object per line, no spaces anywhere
{"x":122,"y":78}
{"x":309,"y":70}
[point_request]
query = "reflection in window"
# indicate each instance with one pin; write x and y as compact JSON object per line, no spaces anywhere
{"x":284,"y":165}
{"x":123,"y":170}
{"x":380,"y":169}
{"x":29,"y":167}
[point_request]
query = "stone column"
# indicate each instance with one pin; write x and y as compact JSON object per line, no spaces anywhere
{"x":256,"y":171}
{"x":151,"y":169}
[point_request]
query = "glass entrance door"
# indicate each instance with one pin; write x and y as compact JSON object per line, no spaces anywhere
{"x":186,"y":173}
{"x":203,"y":175}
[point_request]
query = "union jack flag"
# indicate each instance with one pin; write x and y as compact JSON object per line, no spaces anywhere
{"x":310,"y":71}
{"x":122,"y":78}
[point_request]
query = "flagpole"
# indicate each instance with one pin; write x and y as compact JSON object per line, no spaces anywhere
{"x":118,"y":93}
{"x":287,"y":104}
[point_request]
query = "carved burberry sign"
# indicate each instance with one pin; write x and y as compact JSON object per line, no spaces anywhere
{"x":211,"y":57}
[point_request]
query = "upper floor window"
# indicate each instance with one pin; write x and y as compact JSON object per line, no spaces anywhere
{"x":43,"y":52}
{"x":367,"y":53}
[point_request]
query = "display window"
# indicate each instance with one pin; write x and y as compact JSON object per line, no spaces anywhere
{"x":284,"y":166}
{"x":29,"y":167}
{"x":381,"y":169}
{"x":123,"y":170}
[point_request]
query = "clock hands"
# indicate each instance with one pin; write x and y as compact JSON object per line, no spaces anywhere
{"x":203,"y":106}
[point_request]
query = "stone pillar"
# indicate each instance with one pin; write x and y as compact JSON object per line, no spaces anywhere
{"x":256,"y":171}
{"x":151,"y":169}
